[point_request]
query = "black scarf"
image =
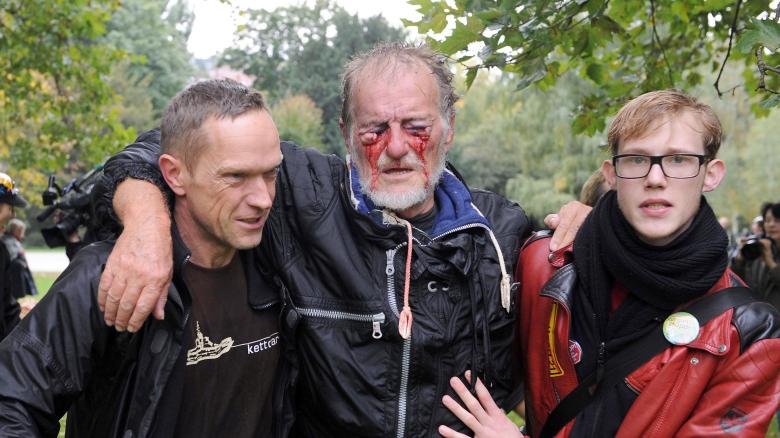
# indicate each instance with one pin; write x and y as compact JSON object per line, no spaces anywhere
{"x":658,"y":278}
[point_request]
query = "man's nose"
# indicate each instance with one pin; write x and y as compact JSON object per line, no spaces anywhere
{"x":260,"y":195}
{"x":656,"y":176}
{"x":397,"y":147}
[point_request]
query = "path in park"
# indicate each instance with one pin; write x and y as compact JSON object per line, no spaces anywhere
{"x":47,"y":261}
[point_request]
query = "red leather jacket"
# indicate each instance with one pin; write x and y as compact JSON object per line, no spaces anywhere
{"x":725,"y":382}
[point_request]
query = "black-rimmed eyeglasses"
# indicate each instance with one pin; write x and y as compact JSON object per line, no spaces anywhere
{"x":679,"y":166}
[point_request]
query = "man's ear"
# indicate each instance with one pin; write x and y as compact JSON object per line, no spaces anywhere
{"x":345,"y":135}
{"x":715,"y":171}
{"x":175,"y":173}
{"x":450,"y":132}
{"x":608,"y":170}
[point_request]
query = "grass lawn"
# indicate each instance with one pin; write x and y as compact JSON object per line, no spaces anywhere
{"x":44,"y":282}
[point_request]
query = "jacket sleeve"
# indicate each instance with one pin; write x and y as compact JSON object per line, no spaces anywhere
{"x":10,"y":308}
{"x":744,"y":394}
{"x":738,"y":266}
{"x":46,"y":361}
{"x":138,"y":161}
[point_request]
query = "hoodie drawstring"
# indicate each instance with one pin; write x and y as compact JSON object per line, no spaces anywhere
{"x":405,"y":318}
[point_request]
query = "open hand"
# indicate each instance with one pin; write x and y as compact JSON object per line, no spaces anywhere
{"x":481,"y":414}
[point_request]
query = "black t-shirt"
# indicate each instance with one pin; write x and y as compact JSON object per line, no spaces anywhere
{"x":231,"y":357}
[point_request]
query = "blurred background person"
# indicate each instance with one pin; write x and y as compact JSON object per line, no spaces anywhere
{"x":10,"y":199}
{"x":19,"y":276}
{"x":594,"y":187}
{"x":725,"y":223}
{"x":756,"y":259}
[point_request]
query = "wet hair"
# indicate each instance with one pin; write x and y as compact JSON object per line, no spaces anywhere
{"x":593,"y":188}
{"x":385,"y":56}
{"x":640,"y":115}
{"x":180,"y":130}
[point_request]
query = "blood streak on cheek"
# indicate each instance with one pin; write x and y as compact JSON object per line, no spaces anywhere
{"x":373,"y":151}
{"x":419,"y":144}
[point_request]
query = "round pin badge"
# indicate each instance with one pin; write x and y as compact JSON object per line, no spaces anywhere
{"x":681,"y":328}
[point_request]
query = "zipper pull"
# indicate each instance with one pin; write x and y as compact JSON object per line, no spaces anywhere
{"x":602,"y":359}
{"x":377,"y":334}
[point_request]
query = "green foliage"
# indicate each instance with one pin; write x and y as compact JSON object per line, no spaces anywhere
{"x":521,"y":144}
{"x":54,"y":100}
{"x":299,"y":120}
{"x":623,"y":47}
{"x":302,"y":50}
{"x":155,"y":33}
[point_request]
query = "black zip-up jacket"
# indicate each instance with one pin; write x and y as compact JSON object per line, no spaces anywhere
{"x":62,"y":357}
{"x":343,"y":262}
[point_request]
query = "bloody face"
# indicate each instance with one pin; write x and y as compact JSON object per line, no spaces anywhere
{"x":399,"y":138}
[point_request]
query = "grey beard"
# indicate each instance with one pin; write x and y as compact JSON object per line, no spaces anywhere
{"x":403,"y":201}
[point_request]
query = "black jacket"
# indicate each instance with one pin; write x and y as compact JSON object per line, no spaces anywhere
{"x":62,"y":357}
{"x":344,"y":265}
{"x":9,"y":308}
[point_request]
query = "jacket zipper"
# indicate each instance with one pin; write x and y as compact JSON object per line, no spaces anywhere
{"x":375,"y":319}
{"x":407,"y":343}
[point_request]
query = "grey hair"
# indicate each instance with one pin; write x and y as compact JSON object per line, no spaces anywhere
{"x":15,"y":224}
{"x":389,"y":54}
{"x":183,"y":118}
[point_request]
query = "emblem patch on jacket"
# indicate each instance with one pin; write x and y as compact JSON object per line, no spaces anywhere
{"x":556,"y":370}
{"x":733,"y":420}
{"x":575,"y":351}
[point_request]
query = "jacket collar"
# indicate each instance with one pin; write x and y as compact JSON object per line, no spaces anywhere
{"x":452,"y":196}
{"x":261,"y":291}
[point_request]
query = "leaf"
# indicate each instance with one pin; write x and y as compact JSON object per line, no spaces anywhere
{"x":532,"y":74}
{"x":761,"y":32}
{"x":607,"y":23}
{"x":490,"y":14}
{"x":460,"y":39}
{"x":770,"y":33}
{"x":680,"y":9}
{"x":596,"y":73}
{"x":471,"y":74}
{"x":438,"y":22}
{"x":771,"y":102}
{"x":711,"y":5}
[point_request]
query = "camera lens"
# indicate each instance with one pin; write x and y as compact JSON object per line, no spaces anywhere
{"x":752,"y":248}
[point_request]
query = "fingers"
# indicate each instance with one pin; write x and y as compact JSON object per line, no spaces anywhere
{"x":551,"y":221}
{"x":127,"y":303}
{"x":463,"y":415}
{"x":151,"y":298}
{"x":105,"y":284}
{"x":159,"y":309}
{"x":486,"y":400}
{"x":449,"y":433}
{"x":472,"y":404}
{"x":113,"y":297}
{"x":571,"y":216}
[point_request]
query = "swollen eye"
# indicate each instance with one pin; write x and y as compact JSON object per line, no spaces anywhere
{"x":369,"y":137}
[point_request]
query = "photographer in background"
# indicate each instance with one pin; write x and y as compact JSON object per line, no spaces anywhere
{"x":9,"y":200}
{"x":757,"y":258}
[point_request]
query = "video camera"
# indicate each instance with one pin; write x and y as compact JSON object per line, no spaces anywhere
{"x":74,"y":200}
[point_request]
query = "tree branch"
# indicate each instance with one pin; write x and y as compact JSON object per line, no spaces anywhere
{"x":762,"y":69}
{"x":728,"y":52}
{"x":657,"y":39}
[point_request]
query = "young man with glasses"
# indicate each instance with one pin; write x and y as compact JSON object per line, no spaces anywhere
{"x":650,"y":247}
